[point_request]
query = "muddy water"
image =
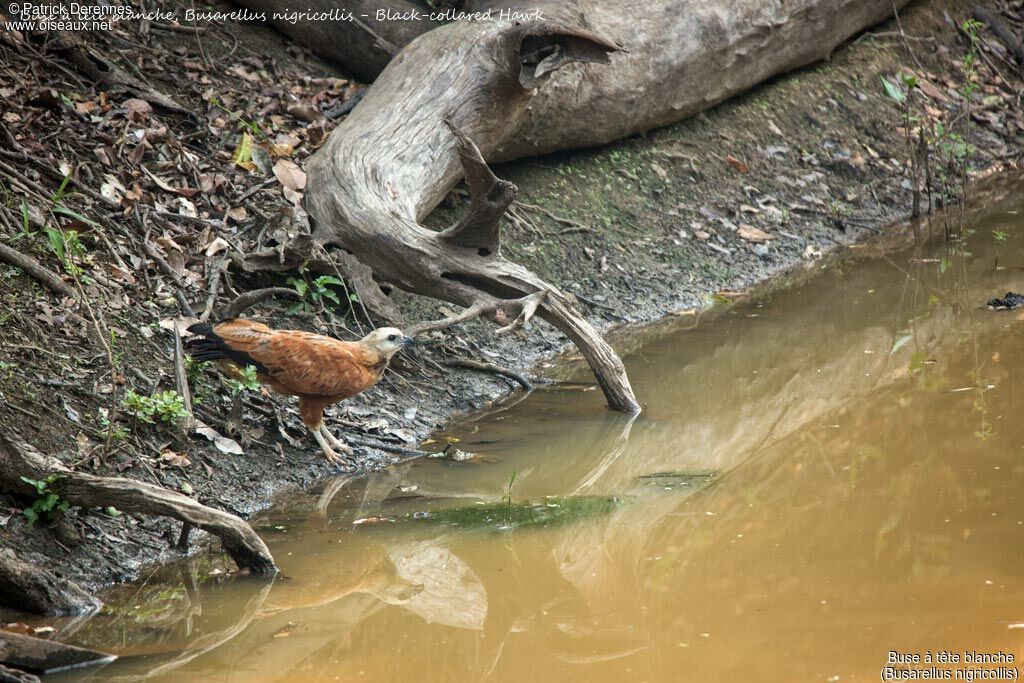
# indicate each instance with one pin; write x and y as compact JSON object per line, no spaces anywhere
{"x":821,"y":476}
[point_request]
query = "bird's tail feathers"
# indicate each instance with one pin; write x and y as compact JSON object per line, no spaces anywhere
{"x":207,"y":345}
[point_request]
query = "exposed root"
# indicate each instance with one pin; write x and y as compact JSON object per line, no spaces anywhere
{"x":492,"y":368}
{"x":249,"y":299}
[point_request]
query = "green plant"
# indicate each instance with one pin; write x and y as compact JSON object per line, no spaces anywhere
{"x":47,"y":504}
{"x":111,"y":430}
{"x":507,"y":499}
{"x":318,"y":289}
{"x":248,"y":381}
{"x":166,"y":406}
{"x":1000,"y":236}
{"x":68,"y":248}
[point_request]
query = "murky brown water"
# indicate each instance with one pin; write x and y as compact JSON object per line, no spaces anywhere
{"x":865,"y":435}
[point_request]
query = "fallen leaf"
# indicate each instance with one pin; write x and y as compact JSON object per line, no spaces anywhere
{"x":138,"y":110}
{"x":737,"y":165}
{"x":169,"y":458}
{"x":237,"y":214}
{"x":223,"y":443}
{"x":216,"y":246}
{"x":290,"y":175}
{"x":752,"y":234}
{"x":242,"y":156}
{"x":186,"y":208}
{"x":112,"y":190}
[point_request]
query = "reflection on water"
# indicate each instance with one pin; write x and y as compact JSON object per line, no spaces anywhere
{"x":819,"y":477}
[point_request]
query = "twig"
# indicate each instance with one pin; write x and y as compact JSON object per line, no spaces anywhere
{"x":492,"y":368}
{"x":211,"y":298}
{"x":181,"y":382}
{"x":906,"y":42}
{"x":526,"y":306}
{"x":162,"y":263}
{"x":33,"y":268}
{"x":1002,"y":33}
{"x":381,"y":445}
{"x":250,"y":299}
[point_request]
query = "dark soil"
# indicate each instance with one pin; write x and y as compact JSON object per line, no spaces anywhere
{"x":680,"y":219}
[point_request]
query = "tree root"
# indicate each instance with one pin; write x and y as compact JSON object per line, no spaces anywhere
{"x":249,"y":299}
{"x":19,"y":459}
{"x":999,"y":29}
{"x":492,"y":368}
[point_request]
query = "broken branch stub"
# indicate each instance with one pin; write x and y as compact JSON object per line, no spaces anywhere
{"x":370,"y":186}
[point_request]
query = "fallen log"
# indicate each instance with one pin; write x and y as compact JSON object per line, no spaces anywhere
{"x":471,"y":91}
{"x":39,"y":656}
{"x":20,"y":461}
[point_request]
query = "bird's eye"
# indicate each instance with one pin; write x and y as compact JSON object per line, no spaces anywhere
{"x":392,"y":337}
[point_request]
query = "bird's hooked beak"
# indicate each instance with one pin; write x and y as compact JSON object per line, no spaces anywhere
{"x":408,"y":341}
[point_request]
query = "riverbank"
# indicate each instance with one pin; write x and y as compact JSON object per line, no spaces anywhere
{"x":669,"y":223}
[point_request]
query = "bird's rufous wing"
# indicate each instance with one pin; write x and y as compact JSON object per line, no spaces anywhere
{"x":311,"y":364}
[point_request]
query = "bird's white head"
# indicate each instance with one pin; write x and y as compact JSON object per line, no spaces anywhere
{"x":387,"y":341}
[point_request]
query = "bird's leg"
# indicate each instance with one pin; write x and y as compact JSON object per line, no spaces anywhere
{"x":325,"y":444}
{"x":335,"y":441}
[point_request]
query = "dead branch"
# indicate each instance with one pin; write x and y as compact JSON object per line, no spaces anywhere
{"x":489,"y":197}
{"x":491,"y":368}
{"x":162,"y":263}
{"x":526,"y":306}
{"x":213,"y":289}
{"x":181,"y":382}
{"x":33,"y":268}
{"x":92,"y":64}
{"x":19,"y":459}
{"x":249,"y":299}
{"x":523,"y":309}
{"x":1001,"y":32}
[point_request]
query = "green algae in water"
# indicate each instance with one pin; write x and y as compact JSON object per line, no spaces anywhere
{"x":503,"y":515}
{"x":679,"y":478}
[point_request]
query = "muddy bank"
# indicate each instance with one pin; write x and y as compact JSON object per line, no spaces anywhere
{"x":678,"y":220}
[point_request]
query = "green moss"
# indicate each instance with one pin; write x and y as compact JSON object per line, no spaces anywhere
{"x":504,"y":515}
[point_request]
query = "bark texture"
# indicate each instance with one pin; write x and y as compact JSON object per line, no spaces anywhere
{"x":520,"y":89}
{"x":35,"y":589}
{"x":19,"y":459}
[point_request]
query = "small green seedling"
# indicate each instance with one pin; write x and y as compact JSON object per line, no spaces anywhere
{"x":166,"y":406}
{"x":48,"y":504}
{"x":247,"y":382}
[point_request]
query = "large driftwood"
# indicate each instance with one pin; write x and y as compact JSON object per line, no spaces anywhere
{"x":37,"y":655}
{"x":358,"y":40}
{"x":520,"y":89}
{"x":19,"y":459}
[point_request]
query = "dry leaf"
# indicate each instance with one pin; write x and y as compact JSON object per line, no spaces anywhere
{"x":737,"y":165}
{"x":186,"y":208}
{"x":216,"y":246}
{"x":752,"y":234}
{"x":169,"y":458}
{"x":290,"y":175}
{"x":223,"y":443}
{"x":112,"y":190}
